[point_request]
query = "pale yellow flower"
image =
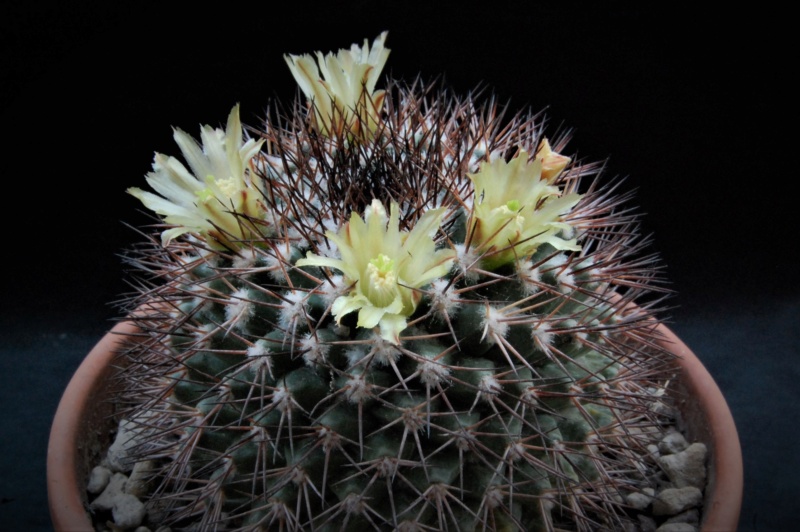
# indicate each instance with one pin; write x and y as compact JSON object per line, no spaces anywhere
{"x":385,"y":267}
{"x":341,"y":87}
{"x":517,"y":207}
{"x":216,"y":194}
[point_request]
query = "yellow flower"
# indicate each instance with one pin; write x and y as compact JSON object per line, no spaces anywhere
{"x":384,"y":266}
{"x":344,"y":96}
{"x":517,"y":207}
{"x":217,"y":196}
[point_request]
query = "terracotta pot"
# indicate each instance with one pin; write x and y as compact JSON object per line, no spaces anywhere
{"x":84,"y":424}
{"x":81,"y":432}
{"x":708,"y":419}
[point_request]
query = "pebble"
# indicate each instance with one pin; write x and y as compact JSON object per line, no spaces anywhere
{"x":653,"y":450}
{"x":128,"y":511}
{"x":119,"y":454}
{"x":115,"y":487}
{"x":98,"y":479}
{"x":638,"y":501}
{"x":673,"y":501}
{"x":672,"y":443}
{"x":686,"y":468}
{"x":138,"y":482}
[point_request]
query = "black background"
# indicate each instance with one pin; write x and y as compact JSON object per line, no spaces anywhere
{"x":690,"y":105}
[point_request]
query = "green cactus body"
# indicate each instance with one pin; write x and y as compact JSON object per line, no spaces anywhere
{"x":518,"y":394}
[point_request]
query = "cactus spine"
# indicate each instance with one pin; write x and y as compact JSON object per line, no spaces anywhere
{"x":391,"y":310}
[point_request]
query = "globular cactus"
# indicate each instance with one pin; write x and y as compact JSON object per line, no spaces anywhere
{"x":391,"y":309}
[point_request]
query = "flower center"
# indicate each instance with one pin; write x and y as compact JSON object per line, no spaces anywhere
{"x":226,"y":186}
{"x":514,"y":222}
{"x":382,"y":280}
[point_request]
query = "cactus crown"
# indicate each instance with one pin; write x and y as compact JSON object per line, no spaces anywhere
{"x":390,"y":309}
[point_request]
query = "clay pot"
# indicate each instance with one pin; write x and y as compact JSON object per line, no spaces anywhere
{"x":84,"y":423}
{"x":707,"y":419}
{"x":82,"y":431}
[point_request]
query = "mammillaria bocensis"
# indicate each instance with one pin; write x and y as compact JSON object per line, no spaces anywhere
{"x":420,"y":318}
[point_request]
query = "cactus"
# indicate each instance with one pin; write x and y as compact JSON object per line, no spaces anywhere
{"x":391,"y":309}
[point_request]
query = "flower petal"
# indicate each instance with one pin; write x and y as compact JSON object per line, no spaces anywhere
{"x":391,"y":327}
